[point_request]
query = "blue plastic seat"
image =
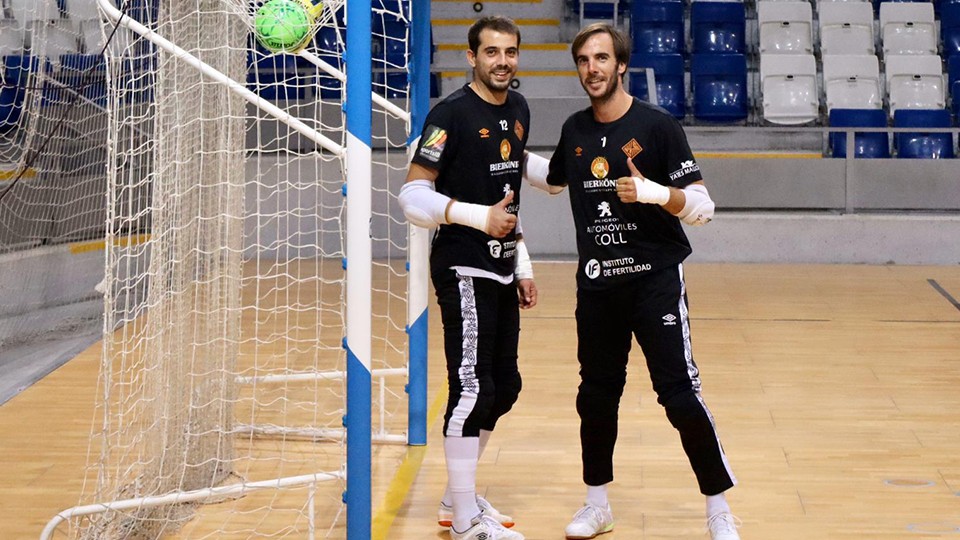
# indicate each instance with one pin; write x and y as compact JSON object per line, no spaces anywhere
{"x":953,"y":82}
{"x":599,"y":10}
{"x":950,"y":28}
{"x":865,"y":145}
{"x":84,"y":74}
{"x":668,"y":74}
{"x":657,"y":27}
{"x":719,"y":84}
{"x":718,"y":27}
{"x":924,"y":145}
{"x":16,"y":73}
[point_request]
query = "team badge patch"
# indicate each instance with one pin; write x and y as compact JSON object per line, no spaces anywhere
{"x":632,"y":148}
{"x":505,"y":149}
{"x":484,"y":133}
{"x":599,"y":167}
{"x":518,"y":130}
{"x":432,"y":147}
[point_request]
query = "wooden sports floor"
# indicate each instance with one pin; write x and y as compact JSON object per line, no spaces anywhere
{"x":836,"y":390}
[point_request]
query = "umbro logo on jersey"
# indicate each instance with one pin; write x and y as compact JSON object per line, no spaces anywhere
{"x":484,"y":133}
{"x":669,"y":319}
{"x":518,"y":129}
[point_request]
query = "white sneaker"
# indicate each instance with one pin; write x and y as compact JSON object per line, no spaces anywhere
{"x":445,"y":514}
{"x":485,"y":528}
{"x":590,"y":521}
{"x":723,"y":526}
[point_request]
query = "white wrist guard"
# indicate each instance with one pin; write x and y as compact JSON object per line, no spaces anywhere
{"x":422,"y":205}
{"x":651,"y":192}
{"x":524,"y":268}
{"x":535,"y":171}
{"x":469,"y":214}
{"x":699,"y":208}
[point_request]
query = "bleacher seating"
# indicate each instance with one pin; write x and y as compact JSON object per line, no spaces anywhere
{"x":788,"y":84}
{"x":718,"y":27}
{"x":852,"y":82}
{"x":28,"y":11}
{"x":719,"y":84}
{"x":846,"y":28}
{"x":908,"y":28}
{"x":786,"y":27}
{"x":923,"y":144}
{"x":865,"y":144}
{"x":668,"y":76}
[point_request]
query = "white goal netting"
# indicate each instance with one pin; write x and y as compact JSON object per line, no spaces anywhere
{"x":221,"y":396}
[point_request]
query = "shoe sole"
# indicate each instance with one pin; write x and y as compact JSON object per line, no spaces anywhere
{"x":448,"y":523}
{"x":604,"y":531}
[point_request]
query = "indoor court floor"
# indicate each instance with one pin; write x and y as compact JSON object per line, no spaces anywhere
{"x":834,"y":389}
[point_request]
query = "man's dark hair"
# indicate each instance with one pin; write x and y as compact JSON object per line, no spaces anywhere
{"x":493,"y":22}
{"x":621,"y":44}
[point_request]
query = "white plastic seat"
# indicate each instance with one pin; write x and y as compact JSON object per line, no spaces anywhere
{"x":915,"y":82}
{"x":52,"y":40}
{"x":34,"y":10}
{"x":785,"y":27}
{"x":11,"y":38}
{"x":846,"y":28}
{"x":852,"y":81}
{"x":82,"y":10}
{"x":788,"y":83}
{"x":91,"y":36}
{"x":908,"y":28}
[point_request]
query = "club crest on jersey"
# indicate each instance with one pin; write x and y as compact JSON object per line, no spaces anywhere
{"x":484,"y":133}
{"x":433,"y":144}
{"x":599,"y":167}
{"x":495,"y":248}
{"x":505,"y":149}
{"x":518,"y":130}
{"x":632,"y":148}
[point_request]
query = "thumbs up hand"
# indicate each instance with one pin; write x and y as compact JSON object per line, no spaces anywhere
{"x":499,"y":221}
{"x":637,"y":188}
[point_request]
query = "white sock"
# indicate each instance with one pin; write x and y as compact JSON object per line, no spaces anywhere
{"x":717,"y":504}
{"x":461,"y":454}
{"x":597,"y":495}
{"x":484,"y":438}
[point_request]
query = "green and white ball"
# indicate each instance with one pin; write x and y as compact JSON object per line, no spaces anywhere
{"x":283,"y":25}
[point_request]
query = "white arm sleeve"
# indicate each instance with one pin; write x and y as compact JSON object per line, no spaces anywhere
{"x":535,"y":171}
{"x":699,"y":208}
{"x":524,"y":268}
{"x":422,"y":205}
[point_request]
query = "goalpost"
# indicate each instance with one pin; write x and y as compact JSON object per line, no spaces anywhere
{"x":260,"y":277}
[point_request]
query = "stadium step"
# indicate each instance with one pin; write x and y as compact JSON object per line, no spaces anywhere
{"x":515,"y":9}
{"x":541,"y":28}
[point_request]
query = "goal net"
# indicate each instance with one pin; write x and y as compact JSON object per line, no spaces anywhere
{"x":223,"y":386}
{"x":53,"y":134}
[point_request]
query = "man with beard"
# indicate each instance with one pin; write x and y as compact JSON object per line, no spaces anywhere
{"x":633,"y":180}
{"x":465,"y":178}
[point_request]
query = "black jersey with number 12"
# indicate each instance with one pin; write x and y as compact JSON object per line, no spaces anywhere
{"x":477,"y":148}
